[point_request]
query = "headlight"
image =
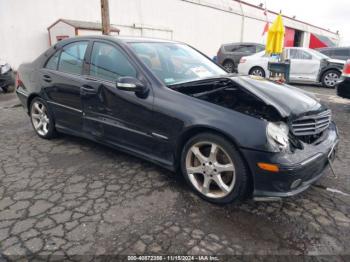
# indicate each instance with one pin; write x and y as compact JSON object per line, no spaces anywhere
{"x":5,"y":68}
{"x":277,"y":136}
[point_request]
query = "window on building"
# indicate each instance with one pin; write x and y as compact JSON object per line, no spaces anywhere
{"x":72,"y":58}
{"x":53,"y":61}
{"x":109,"y":63}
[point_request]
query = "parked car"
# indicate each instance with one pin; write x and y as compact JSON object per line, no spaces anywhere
{"x":230,"y":136}
{"x":343,"y":86}
{"x":229,"y":54}
{"x":342,"y":53}
{"x":6,"y":76}
{"x":306,"y":66}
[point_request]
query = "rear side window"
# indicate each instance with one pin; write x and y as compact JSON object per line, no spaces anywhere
{"x":259,"y":48}
{"x":341,"y":52}
{"x":244,"y":49}
{"x":53,"y":61}
{"x":72,"y":58}
{"x":109,"y":63}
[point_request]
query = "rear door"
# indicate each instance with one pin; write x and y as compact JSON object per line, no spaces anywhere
{"x":118,"y":117}
{"x":303,"y":66}
{"x":61,"y":79}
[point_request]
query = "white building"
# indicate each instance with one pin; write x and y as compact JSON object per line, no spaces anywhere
{"x":205,"y":24}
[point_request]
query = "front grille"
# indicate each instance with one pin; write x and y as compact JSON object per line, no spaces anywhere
{"x":311,"y":125}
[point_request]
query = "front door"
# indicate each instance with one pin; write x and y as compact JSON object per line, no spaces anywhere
{"x":303,"y":66}
{"x":117,"y":117}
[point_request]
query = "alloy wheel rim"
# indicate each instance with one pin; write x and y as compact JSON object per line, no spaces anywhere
{"x":210,"y":169}
{"x":40,"y":118}
{"x":257,"y":72}
{"x":331,"y":79}
{"x":229,"y":67}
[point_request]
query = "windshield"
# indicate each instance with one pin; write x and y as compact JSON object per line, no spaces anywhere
{"x":175,"y":63}
{"x":317,"y":54}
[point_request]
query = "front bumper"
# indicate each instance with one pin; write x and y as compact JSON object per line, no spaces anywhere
{"x":7,"y":79}
{"x":297,"y":171}
{"x":343,"y":87}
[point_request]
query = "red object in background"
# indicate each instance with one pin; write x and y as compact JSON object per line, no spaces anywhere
{"x":346,"y":70}
{"x":61,"y":37}
{"x":315,"y":42}
{"x":289,"y":35}
{"x":266,"y":28}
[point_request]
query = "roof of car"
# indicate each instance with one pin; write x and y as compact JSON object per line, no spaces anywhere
{"x":243,"y":43}
{"x":333,"y":48}
{"x":116,"y":39}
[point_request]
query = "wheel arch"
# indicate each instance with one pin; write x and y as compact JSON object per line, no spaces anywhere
{"x":193,"y":131}
{"x":30,"y":99}
{"x":228,"y":60}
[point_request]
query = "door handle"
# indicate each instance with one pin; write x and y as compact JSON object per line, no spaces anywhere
{"x":47,"y":78}
{"x":87,"y":89}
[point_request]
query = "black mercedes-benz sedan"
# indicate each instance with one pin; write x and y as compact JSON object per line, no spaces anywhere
{"x":343,"y":85}
{"x":164,"y":101}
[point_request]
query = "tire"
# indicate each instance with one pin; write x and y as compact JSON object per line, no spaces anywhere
{"x":257,"y":71}
{"x":5,"y":89}
{"x":202,"y":169}
{"x":229,"y":66}
{"x":330,"y":78}
{"x":42,"y":119}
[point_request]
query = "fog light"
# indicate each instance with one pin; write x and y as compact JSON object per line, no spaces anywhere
{"x":295,"y":184}
{"x":269,"y":167}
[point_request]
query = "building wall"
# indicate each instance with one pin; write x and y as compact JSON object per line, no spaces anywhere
{"x":205,"y":24}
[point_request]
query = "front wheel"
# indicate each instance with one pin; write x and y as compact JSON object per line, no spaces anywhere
{"x":214,"y":169}
{"x":257,"y":71}
{"x":229,"y":66}
{"x":330,"y":78}
{"x":42,"y":119}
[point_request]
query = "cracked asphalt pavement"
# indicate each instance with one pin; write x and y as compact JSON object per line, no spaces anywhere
{"x":69,"y":197}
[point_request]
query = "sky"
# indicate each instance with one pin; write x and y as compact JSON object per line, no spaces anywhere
{"x":333,"y":15}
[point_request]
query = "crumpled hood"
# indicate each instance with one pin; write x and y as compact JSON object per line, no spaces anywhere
{"x":336,"y":61}
{"x":289,"y":101}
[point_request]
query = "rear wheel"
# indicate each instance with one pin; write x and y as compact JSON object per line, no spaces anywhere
{"x":330,"y":78}
{"x":229,"y":66}
{"x":257,"y":71}
{"x":214,"y":169}
{"x":42,"y":119}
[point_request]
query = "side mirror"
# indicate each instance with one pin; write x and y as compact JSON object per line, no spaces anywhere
{"x":131,"y":84}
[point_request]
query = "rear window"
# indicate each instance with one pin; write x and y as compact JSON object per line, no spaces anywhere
{"x":53,"y":61}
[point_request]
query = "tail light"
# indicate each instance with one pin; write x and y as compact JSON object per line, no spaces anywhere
{"x":18,"y":81}
{"x":242,"y":60}
{"x":346,"y":69}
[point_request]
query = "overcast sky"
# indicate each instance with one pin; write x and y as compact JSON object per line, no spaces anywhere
{"x":333,"y":15}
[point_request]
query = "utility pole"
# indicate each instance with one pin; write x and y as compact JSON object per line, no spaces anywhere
{"x":106,"y":26}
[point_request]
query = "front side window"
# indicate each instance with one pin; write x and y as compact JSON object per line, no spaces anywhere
{"x":299,"y":54}
{"x":53,"y":61}
{"x":175,"y":63}
{"x":109,"y":63}
{"x":72,"y":58}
